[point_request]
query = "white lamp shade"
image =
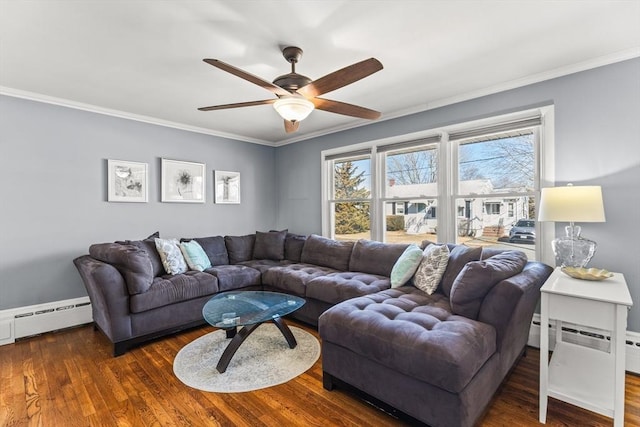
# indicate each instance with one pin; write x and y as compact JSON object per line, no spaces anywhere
{"x":571,"y":204}
{"x":293,"y":108}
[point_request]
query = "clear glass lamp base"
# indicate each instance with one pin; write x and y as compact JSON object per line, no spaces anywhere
{"x":573,"y":250}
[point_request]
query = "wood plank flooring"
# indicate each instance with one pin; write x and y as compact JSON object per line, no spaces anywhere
{"x":69,"y":378}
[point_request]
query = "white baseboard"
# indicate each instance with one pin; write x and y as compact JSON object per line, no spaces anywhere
{"x":589,"y":337}
{"x":37,"y":319}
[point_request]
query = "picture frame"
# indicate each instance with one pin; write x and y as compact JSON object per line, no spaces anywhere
{"x":127,"y":181}
{"x":182,"y":182}
{"x":227,"y":187}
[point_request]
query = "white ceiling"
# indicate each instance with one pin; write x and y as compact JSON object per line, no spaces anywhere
{"x":143,"y":58}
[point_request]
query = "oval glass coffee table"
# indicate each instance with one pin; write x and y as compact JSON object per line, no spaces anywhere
{"x":249,"y":309}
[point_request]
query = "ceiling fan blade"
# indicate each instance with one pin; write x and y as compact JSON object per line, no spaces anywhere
{"x":345,"y":109}
{"x":248,"y":77}
{"x":291,"y":127}
{"x":341,"y":78}
{"x":238,"y":105}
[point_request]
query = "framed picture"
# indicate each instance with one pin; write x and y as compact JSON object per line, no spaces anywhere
{"x":127,"y":181}
{"x":227,"y":187}
{"x":182,"y":182}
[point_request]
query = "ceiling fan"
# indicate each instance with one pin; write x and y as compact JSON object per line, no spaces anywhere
{"x":298,"y":95}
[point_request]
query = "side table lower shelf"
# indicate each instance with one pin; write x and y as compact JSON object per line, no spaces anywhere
{"x":583,"y":377}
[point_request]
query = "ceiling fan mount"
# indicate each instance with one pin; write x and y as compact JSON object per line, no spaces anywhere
{"x":292,"y":81}
{"x":297,"y":95}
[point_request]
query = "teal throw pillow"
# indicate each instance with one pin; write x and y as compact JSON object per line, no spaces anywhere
{"x":405,"y":267}
{"x":195,"y":256}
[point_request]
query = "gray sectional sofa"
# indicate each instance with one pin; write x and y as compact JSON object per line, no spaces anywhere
{"x":438,"y":358}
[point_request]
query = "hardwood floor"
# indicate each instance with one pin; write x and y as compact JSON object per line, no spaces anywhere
{"x":69,"y":378}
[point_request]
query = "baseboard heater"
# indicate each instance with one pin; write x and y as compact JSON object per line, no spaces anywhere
{"x":588,"y":337}
{"x":23,"y":322}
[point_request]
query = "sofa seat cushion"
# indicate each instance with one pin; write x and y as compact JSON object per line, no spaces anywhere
{"x":411,"y":332}
{"x":263,"y":265}
{"x":337,"y":287}
{"x":232,"y":277}
{"x":293,"y":278}
{"x":170,"y":289}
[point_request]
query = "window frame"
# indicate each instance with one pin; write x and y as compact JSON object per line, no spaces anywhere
{"x":447,"y":178}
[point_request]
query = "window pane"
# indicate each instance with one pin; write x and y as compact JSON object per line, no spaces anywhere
{"x":491,"y":222}
{"x":352,"y":179}
{"x":410,"y":221}
{"x":352,"y":220}
{"x":506,"y":163}
{"x":412,"y":173}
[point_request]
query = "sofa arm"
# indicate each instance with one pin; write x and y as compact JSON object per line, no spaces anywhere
{"x":109,"y":297}
{"x":509,"y":307}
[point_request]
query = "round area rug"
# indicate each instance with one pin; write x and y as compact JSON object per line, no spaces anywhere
{"x":263,"y":360}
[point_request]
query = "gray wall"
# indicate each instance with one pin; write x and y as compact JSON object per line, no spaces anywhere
{"x":597,"y":141}
{"x":54,"y":192}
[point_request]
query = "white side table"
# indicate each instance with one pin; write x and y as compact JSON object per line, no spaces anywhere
{"x":585,"y":377}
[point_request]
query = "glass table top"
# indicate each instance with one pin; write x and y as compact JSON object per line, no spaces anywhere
{"x":231,"y":309}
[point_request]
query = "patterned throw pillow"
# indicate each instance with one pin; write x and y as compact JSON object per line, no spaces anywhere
{"x":195,"y":256}
{"x":434,"y":262}
{"x":406,"y":265}
{"x":171,"y":256}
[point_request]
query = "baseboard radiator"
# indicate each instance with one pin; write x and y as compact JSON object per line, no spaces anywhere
{"x":23,"y":322}
{"x":588,"y":337}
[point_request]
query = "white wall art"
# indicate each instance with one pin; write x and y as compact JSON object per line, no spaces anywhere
{"x":183,"y":182}
{"x":127,"y":181}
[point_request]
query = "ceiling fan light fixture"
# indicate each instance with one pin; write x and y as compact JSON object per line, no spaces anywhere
{"x":293,"y":109}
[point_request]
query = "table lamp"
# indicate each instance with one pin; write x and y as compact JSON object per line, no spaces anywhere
{"x":572,"y":204}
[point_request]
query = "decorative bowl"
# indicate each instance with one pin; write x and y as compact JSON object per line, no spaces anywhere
{"x":587,"y":273}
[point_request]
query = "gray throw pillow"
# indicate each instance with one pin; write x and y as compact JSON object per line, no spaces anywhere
{"x":149,"y":246}
{"x":293,"y":245}
{"x":269,"y":245}
{"x":215,"y":249}
{"x":459,"y":256}
{"x":240,"y":248}
{"x":478,"y":277}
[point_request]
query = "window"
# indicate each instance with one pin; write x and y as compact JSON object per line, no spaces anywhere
{"x":411,"y":181}
{"x":481,"y":178}
{"x":351,"y":197}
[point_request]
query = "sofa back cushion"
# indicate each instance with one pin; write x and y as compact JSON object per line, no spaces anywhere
{"x":459,"y":256}
{"x":373,"y":257}
{"x":132,"y":262}
{"x":325,"y":252}
{"x":478,"y":277}
{"x":215,"y":249}
{"x":269,"y":245}
{"x":293,"y":245}
{"x":240,"y":248}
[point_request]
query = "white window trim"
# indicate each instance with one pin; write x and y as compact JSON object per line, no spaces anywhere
{"x":447,"y":179}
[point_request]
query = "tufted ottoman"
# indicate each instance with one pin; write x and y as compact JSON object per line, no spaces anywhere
{"x":408,"y":350}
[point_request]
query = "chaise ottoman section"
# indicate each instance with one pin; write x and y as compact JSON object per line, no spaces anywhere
{"x":412,"y":333}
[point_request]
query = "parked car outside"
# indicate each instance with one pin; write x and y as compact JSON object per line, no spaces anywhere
{"x":524,"y":231}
